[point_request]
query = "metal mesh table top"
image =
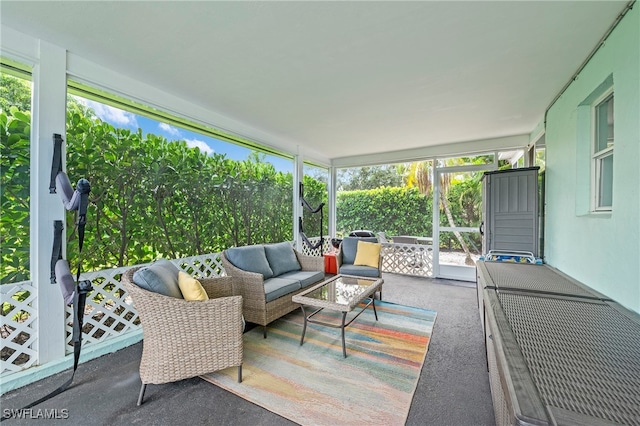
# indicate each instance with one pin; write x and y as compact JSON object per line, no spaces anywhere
{"x":539,"y":278}
{"x":583,"y":355}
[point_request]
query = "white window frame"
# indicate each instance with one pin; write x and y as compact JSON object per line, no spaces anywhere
{"x":598,"y":156}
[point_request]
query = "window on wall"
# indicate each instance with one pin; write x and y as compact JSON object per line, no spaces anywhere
{"x":165,"y":187}
{"x":602,"y":159}
{"x":15,"y":124}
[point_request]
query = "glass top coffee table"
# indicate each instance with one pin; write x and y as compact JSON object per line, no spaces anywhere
{"x":341,"y":293}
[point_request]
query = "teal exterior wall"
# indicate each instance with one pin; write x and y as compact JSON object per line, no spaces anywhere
{"x":601,"y":250}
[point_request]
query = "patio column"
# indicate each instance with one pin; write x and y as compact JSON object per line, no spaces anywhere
{"x":48,"y":117}
{"x":331,"y":189}
{"x":298,"y":173}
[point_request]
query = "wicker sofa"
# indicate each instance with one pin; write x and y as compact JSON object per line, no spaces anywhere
{"x":267,"y":276}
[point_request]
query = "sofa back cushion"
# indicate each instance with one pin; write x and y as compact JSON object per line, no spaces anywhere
{"x":281,"y":258}
{"x":159,"y":277}
{"x":251,"y":259}
{"x":350,"y":247}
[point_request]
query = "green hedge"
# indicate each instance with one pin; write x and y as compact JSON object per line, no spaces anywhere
{"x":15,"y":128}
{"x":395,"y":211}
{"x":152,"y":197}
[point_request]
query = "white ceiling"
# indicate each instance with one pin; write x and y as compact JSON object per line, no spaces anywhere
{"x":340,"y":78}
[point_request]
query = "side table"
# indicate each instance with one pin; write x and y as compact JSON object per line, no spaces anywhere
{"x":330,"y":265}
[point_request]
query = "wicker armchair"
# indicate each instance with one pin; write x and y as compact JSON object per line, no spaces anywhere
{"x":250,"y":286}
{"x":184,"y":339}
{"x":345,"y":264}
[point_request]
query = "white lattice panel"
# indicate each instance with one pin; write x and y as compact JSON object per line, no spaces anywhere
{"x":407,"y":259}
{"x":326,"y":247}
{"x":202,"y":266}
{"x":19,"y":319}
{"x":109,"y":311}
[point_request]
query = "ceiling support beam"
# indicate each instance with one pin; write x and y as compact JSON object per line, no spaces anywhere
{"x":437,"y":151}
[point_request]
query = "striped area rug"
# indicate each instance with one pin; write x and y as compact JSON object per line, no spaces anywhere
{"x":314,"y":385}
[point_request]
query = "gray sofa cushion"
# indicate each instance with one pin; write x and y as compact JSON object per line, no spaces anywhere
{"x":361,"y":271}
{"x":281,"y":258}
{"x":306,"y":278}
{"x":159,"y":277}
{"x":278,"y":287}
{"x":250,"y":258}
{"x":350,"y":247}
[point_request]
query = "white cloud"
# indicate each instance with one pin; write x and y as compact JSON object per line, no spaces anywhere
{"x":202,"y":145}
{"x":112,"y":115}
{"x":169,"y":129}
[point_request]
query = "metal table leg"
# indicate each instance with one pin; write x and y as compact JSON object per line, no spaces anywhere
{"x":373,"y":302}
{"x":344,"y":348}
{"x":343,"y":324}
{"x":304,"y":327}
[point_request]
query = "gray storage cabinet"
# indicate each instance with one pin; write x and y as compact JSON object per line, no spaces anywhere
{"x":510,"y":210}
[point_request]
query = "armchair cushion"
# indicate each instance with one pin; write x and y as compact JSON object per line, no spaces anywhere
{"x":250,"y":258}
{"x":360,"y":271}
{"x":281,"y":258}
{"x":159,"y":277}
{"x":191,"y":288}
{"x":350,"y":247}
{"x":367,"y":254}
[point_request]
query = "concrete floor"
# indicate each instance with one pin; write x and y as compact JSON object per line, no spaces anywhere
{"x":453,"y":388}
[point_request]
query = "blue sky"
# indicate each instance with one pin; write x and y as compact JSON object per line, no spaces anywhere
{"x":128,"y":120}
